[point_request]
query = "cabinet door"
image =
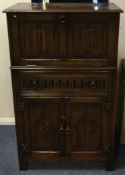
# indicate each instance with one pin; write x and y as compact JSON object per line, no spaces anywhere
{"x":87,"y":127}
{"x":44,"y":128}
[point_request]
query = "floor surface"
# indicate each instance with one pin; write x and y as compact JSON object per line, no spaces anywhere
{"x":9,"y":161}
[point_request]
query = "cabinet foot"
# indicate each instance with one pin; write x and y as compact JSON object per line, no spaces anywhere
{"x":23,"y":166}
{"x":109,"y":166}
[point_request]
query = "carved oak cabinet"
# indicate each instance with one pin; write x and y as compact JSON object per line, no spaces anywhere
{"x":64,"y":69}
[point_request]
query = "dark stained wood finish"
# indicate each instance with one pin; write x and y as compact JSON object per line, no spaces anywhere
{"x":64,"y":76}
{"x":42,"y":119}
{"x":65,"y":38}
{"x":63,"y":83}
{"x":89,"y":121}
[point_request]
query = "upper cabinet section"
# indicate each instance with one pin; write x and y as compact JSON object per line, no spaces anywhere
{"x":64,"y":38}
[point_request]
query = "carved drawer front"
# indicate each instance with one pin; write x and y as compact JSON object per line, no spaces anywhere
{"x":80,"y":39}
{"x":40,"y":83}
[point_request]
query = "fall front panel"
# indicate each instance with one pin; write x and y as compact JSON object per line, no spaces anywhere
{"x":64,"y":38}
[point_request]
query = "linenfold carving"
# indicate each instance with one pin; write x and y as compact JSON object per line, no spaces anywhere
{"x":42,"y":122}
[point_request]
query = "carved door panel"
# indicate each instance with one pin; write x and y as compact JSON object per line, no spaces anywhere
{"x":91,"y":37}
{"x":85,"y":36}
{"x":43,"y":40}
{"x":38,"y":38}
{"x":60,"y":39}
{"x":44,"y":128}
{"x":87,"y":127}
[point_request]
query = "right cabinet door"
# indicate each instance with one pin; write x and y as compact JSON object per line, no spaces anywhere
{"x":89,"y":125}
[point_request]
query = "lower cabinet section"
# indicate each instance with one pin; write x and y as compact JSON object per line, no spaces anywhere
{"x":73,"y":128}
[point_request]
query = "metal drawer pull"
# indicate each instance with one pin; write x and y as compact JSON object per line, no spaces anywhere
{"x":34,"y":83}
{"x":93,"y":84}
{"x":62,"y":19}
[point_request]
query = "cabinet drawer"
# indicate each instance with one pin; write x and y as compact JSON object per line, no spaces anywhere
{"x":59,"y":83}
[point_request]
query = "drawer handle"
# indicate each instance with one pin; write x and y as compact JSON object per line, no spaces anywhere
{"x":68,"y":130}
{"x":34,"y":83}
{"x":61,"y":129}
{"x":93,"y":84}
{"x":62,"y":19}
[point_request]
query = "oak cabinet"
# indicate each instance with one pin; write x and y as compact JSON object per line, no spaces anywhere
{"x":64,"y":77}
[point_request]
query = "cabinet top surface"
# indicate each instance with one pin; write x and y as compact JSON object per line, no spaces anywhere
{"x":64,"y":7}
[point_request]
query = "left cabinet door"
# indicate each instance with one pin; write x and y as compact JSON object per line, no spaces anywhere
{"x":43,"y":128}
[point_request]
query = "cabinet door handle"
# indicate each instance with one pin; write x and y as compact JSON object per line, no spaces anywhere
{"x":68,"y":130}
{"x":61,"y":129}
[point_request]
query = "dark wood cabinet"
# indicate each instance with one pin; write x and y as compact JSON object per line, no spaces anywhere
{"x":64,"y":76}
